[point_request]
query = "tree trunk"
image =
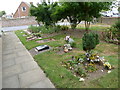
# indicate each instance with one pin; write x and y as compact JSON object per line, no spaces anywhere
{"x":87,"y":25}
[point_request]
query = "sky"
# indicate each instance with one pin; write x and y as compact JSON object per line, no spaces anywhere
{"x":10,"y":6}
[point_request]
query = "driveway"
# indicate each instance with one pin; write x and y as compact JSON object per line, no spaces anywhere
{"x":14,"y":28}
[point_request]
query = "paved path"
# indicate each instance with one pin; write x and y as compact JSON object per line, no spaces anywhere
{"x":19,"y":68}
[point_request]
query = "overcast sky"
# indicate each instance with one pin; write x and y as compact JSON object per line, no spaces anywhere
{"x":10,"y":6}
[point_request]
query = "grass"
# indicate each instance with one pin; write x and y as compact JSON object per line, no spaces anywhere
{"x":61,"y":77}
{"x":31,"y":44}
{"x":93,"y":27}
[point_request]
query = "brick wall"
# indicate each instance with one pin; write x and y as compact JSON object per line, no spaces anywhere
{"x":19,"y":12}
{"x":17,"y":22}
{"x":108,"y":20}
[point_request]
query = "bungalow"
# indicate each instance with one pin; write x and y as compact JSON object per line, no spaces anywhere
{"x":23,"y":10}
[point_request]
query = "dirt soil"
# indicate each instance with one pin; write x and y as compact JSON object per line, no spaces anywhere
{"x":78,"y":33}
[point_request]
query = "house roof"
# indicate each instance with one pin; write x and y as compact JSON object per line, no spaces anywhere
{"x":20,"y":4}
{"x":27,"y":4}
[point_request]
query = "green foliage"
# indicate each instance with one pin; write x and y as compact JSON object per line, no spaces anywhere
{"x":73,"y":44}
{"x":112,"y":34}
{"x":91,"y":68}
{"x":2,"y":13}
{"x":37,"y":34}
{"x":116,"y":31}
{"x":50,"y":29}
{"x":66,"y":11}
{"x":43,"y":29}
{"x":54,"y":69}
{"x":80,"y":71}
{"x":43,"y":12}
{"x":34,"y":29}
{"x":63,"y":27}
{"x":90,"y":40}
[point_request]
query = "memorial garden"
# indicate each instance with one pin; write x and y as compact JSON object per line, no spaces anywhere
{"x":74,"y":56}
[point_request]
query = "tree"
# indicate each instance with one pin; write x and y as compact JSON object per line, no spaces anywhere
{"x":43,"y":12}
{"x":69,"y":11}
{"x":2,"y":13}
{"x":91,"y":10}
{"x":75,"y":12}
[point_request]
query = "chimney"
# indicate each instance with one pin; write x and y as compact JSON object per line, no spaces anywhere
{"x":31,"y":3}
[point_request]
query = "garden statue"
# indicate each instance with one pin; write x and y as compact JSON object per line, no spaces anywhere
{"x":70,"y":41}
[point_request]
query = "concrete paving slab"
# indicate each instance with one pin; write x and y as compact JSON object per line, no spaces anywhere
{"x":42,"y":84}
{"x":11,"y":82}
{"x":9,"y":56}
{"x":23,"y":59}
{"x":27,"y":66}
{"x":13,"y":70}
{"x":30,"y":77}
{"x":7,"y":63}
{"x":22,"y":53}
{"x":19,"y":68}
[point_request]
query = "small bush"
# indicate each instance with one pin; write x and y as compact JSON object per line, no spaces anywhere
{"x":112,"y":34}
{"x":90,"y":40}
{"x":50,"y":29}
{"x":117,"y":30}
{"x":37,"y":34}
{"x":64,"y":27}
{"x":34,"y":29}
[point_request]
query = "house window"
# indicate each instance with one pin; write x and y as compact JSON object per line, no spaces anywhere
{"x":23,"y":9}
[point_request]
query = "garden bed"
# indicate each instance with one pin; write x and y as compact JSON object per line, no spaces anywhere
{"x":51,"y":62}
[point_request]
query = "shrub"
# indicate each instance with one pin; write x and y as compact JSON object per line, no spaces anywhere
{"x":90,"y":40}
{"x":34,"y":29}
{"x":50,"y":29}
{"x":64,"y":27}
{"x":117,"y":30}
{"x":37,"y":34}
{"x":112,"y":34}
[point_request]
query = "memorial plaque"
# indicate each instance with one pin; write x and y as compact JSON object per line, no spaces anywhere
{"x":42,"y":47}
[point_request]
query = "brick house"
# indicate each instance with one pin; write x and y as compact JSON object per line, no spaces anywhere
{"x":22,"y":10}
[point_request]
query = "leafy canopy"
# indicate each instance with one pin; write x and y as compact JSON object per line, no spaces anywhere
{"x":2,"y":13}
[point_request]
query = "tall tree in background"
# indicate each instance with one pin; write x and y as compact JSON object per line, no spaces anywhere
{"x":69,"y":11}
{"x":91,"y":10}
{"x":2,"y":13}
{"x":75,"y":12}
{"x":43,"y":12}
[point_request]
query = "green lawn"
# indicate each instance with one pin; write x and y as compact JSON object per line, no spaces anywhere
{"x":93,"y":27}
{"x":61,"y":77}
